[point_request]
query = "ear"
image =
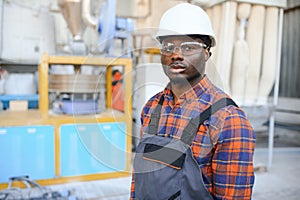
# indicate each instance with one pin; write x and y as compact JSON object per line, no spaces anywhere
{"x":207,"y":54}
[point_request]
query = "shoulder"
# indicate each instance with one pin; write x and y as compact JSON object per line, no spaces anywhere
{"x":231,"y":122}
{"x":228,"y":118}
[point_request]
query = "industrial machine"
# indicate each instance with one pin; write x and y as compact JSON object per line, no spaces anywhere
{"x":74,"y":134}
{"x":82,"y":89}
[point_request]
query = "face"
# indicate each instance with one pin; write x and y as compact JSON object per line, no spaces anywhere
{"x":185,"y":69}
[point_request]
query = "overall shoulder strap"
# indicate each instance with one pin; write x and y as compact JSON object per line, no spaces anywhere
{"x":155,"y":117}
{"x":191,"y":129}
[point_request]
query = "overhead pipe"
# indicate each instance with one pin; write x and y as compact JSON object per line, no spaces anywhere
{"x":88,"y":19}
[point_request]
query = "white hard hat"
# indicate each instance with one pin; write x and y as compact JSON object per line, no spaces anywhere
{"x":186,"y":19}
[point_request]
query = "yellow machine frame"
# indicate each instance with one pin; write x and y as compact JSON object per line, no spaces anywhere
{"x":43,"y":116}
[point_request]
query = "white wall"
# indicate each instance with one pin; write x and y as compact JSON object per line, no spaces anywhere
{"x":26,"y":33}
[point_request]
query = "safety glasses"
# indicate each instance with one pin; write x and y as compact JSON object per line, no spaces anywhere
{"x":185,"y":48}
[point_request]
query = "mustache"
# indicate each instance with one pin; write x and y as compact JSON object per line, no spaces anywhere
{"x":177,"y":64}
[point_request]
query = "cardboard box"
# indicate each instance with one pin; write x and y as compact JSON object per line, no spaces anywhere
{"x":18,"y":105}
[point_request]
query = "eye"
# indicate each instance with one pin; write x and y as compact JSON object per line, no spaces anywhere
{"x":188,"y":47}
{"x":168,"y":48}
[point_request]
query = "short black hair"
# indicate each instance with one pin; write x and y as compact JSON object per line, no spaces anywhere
{"x":205,"y":38}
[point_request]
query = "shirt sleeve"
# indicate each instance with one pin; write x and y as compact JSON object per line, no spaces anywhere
{"x":132,"y":188}
{"x":232,"y":163}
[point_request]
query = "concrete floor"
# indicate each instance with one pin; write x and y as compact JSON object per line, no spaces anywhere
{"x":281,"y":181}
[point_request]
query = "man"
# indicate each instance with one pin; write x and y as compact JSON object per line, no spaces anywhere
{"x":196,"y":143}
{"x":117,"y":91}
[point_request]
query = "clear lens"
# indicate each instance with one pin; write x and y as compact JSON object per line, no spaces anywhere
{"x":186,"y":48}
{"x":167,"y":49}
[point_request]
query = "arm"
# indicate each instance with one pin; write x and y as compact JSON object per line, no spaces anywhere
{"x":132,"y":188}
{"x":232,"y":163}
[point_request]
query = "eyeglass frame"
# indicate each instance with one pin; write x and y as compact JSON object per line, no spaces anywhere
{"x":201,"y":45}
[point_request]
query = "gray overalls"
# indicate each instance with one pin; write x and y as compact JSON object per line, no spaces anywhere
{"x":164,"y":168}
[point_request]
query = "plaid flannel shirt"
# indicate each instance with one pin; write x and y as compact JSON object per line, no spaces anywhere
{"x":223,"y":146}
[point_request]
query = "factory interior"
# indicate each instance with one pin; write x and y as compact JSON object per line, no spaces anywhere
{"x":76,"y":74}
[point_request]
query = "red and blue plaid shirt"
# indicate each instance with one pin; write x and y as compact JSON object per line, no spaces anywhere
{"x":223,"y":146}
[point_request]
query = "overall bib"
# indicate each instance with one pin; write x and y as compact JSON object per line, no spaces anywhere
{"x":164,"y":168}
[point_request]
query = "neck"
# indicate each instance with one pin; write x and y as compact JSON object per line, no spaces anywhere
{"x":180,"y":87}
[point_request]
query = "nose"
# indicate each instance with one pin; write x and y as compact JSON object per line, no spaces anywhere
{"x":177,"y":50}
{"x":177,"y":54}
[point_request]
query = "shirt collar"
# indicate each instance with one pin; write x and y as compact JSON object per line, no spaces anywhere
{"x":192,"y":94}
